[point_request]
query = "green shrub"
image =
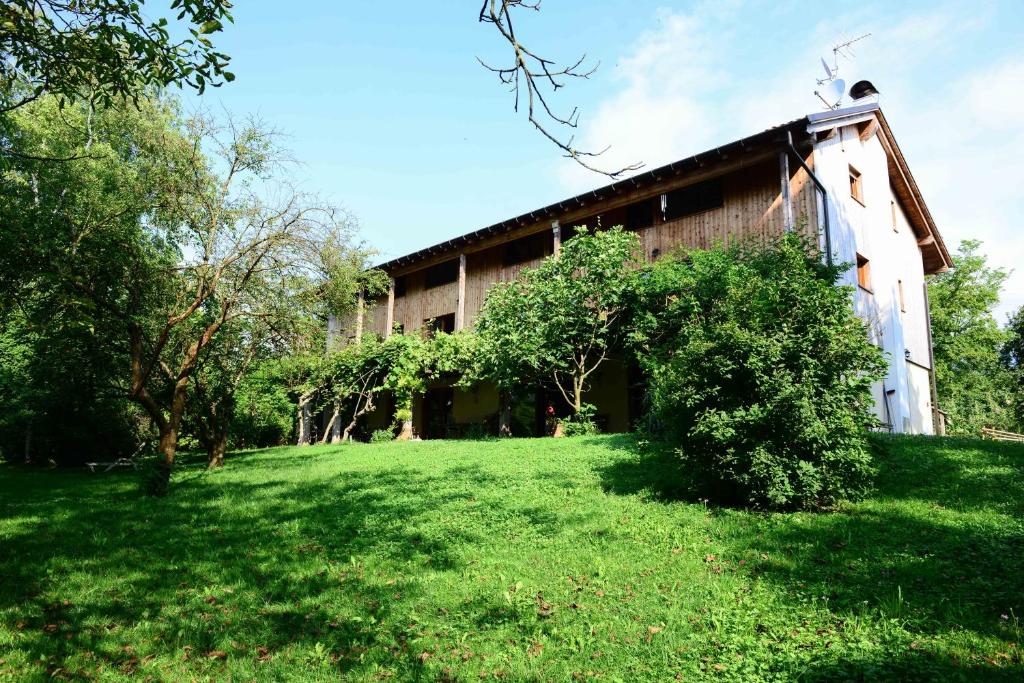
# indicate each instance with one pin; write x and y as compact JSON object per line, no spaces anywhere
{"x":581,"y":423}
{"x":760,"y":373}
{"x":382,"y":436}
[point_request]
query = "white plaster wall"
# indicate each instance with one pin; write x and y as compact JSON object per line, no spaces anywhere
{"x":894,"y":256}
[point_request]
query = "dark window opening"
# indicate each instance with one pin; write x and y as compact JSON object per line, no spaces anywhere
{"x":655,"y":253}
{"x":400,"y":285}
{"x":687,"y":201}
{"x":591,"y":223}
{"x":442,"y":323}
{"x":442,"y":273}
{"x":398,"y":328}
{"x":640,"y":215}
{"x":527,"y":248}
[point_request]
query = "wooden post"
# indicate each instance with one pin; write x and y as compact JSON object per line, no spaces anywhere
{"x":359,"y":317}
{"x":460,"y":304}
{"x":787,"y":200}
{"x":391,"y":309}
{"x":556,"y":232}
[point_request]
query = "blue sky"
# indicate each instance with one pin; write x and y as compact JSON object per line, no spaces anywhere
{"x":390,"y":115}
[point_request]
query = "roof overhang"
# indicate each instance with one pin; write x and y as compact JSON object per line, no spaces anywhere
{"x":936,"y":257}
{"x":765,"y":141}
{"x":871,"y":120}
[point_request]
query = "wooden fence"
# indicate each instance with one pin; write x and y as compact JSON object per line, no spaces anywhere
{"x":1000,"y":435}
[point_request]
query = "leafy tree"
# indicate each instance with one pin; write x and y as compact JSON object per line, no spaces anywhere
{"x":760,"y":372}
{"x":264,"y":410}
{"x":973,"y":386}
{"x":559,"y":321}
{"x":106,"y":50}
{"x":168,"y":233}
{"x":1013,"y":361}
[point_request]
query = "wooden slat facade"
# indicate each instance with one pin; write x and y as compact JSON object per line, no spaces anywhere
{"x":751,"y":208}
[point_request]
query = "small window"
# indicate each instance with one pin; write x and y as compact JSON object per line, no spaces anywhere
{"x":655,"y":253}
{"x":856,"y":186}
{"x":400,"y":285}
{"x":442,"y":273}
{"x":903,"y":301}
{"x":698,"y":198}
{"x":863,"y":272}
{"x":640,"y":215}
{"x":398,"y":328}
{"x":442,"y":323}
{"x":527,"y":248}
{"x":895,"y":224}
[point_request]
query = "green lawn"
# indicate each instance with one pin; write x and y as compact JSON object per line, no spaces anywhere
{"x":519,"y":560}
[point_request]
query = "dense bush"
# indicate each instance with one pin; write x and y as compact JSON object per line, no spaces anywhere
{"x":760,"y":373}
{"x":583,"y":423}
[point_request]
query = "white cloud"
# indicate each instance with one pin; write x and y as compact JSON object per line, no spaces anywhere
{"x":695,"y":81}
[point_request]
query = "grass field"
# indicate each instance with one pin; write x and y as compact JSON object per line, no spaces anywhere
{"x":553,"y":559}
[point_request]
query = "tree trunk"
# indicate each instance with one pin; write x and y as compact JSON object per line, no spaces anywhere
{"x":305,"y":421}
{"x":367,"y":407}
{"x":577,"y":394}
{"x":331,"y":427}
{"x":336,"y":436}
{"x":216,"y":449}
{"x":504,"y":413}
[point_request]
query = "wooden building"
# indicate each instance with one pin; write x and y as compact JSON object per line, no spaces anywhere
{"x":839,"y":176}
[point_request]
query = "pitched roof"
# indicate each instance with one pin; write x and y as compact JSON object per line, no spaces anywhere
{"x":903,"y":182}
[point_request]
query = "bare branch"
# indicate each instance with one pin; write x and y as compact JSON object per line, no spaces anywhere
{"x":529,"y":71}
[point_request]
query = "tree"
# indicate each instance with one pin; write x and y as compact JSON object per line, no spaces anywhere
{"x":1013,"y":360}
{"x":168,"y":232}
{"x":106,"y":50}
{"x":760,"y":373}
{"x":559,"y":321}
{"x":70,"y":229}
{"x":973,"y":386}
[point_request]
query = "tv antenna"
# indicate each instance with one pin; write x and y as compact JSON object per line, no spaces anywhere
{"x":832,"y":88}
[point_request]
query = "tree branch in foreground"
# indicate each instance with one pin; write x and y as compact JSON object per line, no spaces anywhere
{"x":531,"y":73}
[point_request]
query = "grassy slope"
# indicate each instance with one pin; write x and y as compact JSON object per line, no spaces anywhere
{"x":526,"y":559}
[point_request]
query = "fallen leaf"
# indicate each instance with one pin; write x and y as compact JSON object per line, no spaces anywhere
{"x":424,"y":656}
{"x":544,"y":608}
{"x":710,"y":558}
{"x":535,"y":649}
{"x":217,"y":654}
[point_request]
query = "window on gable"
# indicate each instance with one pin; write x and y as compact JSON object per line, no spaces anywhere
{"x":895,"y":224}
{"x":442,"y":323}
{"x":863,"y":272}
{"x":442,"y":274}
{"x":401,"y":283}
{"x":903,"y":301}
{"x":856,"y":185}
{"x":694,"y":199}
{"x":527,"y":248}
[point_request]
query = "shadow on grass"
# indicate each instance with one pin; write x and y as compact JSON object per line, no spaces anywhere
{"x":182,"y":562}
{"x":937,"y":548}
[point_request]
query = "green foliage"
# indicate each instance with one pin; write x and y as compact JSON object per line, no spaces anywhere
{"x":108,"y":50}
{"x":974,"y":388}
{"x":559,"y":321}
{"x":264,"y":412}
{"x":511,"y":560}
{"x":760,"y":372}
{"x":1012,"y":357}
{"x":581,"y":423}
{"x":382,"y":436}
